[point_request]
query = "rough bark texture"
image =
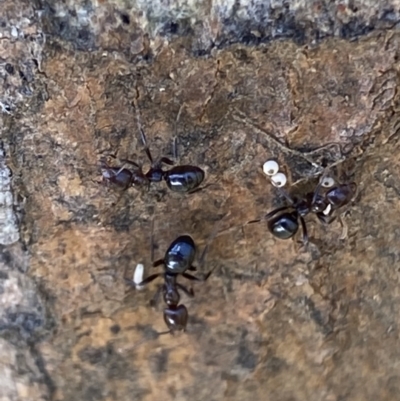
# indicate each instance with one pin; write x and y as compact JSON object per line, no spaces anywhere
{"x":275,"y":321}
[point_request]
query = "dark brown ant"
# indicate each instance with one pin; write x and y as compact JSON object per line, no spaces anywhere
{"x":178,"y":259}
{"x":181,"y":178}
{"x":285,"y":225}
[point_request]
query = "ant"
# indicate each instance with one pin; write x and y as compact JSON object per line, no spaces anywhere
{"x":285,"y":225}
{"x":181,"y":178}
{"x":178,"y":259}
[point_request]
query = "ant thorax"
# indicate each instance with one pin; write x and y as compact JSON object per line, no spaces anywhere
{"x":302,"y":207}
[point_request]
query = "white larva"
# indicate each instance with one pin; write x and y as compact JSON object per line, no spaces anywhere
{"x":138,"y":275}
{"x":279,"y":180}
{"x":327,"y":210}
{"x":270,"y":167}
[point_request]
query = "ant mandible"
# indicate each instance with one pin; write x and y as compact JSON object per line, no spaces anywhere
{"x":177,"y":261}
{"x":285,"y":225}
{"x":181,"y":178}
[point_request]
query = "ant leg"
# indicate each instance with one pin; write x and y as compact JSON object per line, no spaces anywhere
{"x":146,"y":147}
{"x":158,"y":262}
{"x":208,"y":274}
{"x":152,"y":241}
{"x":145,"y":281}
{"x":175,"y":141}
{"x":211,"y":184}
{"x":290,"y":200}
{"x":304,"y":228}
{"x":318,"y":188}
{"x":166,"y":332}
{"x":142,"y":135}
{"x":156,"y":297}
{"x":277,"y":210}
{"x":165,"y":160}
{"x":120,"y":170}
{"x":270,"y":214}
{"x":192,"y":268}
{"x":190,"y":277}
{"x":254,"y":221}
{"x":157,"y":166}
{"x":193,"y":191}
{"x":189,"y":293}
{"x":175,"y":147}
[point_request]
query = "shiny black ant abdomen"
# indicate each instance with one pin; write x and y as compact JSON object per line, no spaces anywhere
{"x":176,"y":317}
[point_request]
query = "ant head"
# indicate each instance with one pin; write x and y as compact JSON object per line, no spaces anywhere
{"x":341,"y":195}
{"x":176,"y":317}
{"x":285,"y":225}
{"x":171,"y":297}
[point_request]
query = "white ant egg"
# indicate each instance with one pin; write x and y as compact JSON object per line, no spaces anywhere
{"x":279,"y":180}
{"x":138,"y":275}
{"x":328,"y":182}
{"x":270,"y":167}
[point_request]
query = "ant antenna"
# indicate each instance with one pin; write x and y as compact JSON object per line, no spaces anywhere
{"x":175,"y":149}
{"x":286,"y":196}
{"x":283,"y":193}
{"x":165,"y":332}
{"x":175,"y":142}
{"x":146,"y":147}
{"x":321,"y":181}
{"x":140,"y":127}
{"x":152,"y":240}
